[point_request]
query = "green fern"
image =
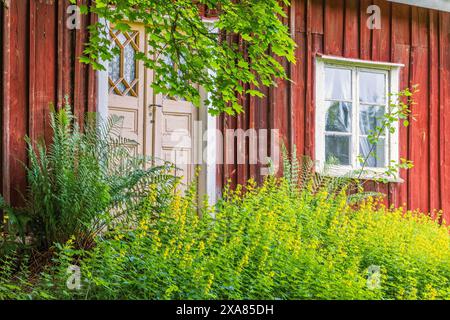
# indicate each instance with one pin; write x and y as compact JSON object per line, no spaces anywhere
{"x":302,"y":178}
{"x":85,"y":181}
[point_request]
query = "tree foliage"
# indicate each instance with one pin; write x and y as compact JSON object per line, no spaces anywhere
{"x":239,"y":53}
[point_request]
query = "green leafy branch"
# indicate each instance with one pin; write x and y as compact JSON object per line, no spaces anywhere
{"x":239,"y":53}
{"x":399,"y":111}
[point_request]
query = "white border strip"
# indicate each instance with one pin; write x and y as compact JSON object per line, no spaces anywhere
{"x":442,"y":5}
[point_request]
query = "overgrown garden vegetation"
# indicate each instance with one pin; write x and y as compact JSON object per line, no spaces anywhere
{"x":302,"y":236}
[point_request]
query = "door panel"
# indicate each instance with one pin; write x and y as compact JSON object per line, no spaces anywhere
{"x":175,"y":135}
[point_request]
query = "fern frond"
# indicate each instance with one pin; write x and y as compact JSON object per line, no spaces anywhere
{"x":86,"y":177}
{"x":302,"y":179}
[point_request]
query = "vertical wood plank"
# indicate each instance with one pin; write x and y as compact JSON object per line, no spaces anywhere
{"x":5,"y":87}
{"x":309,"y":108}
{"x":419,"y":131}
{"x":365,"y":34}
{"x":381,"y":37}
{"x":299,"y":92}
{"x":43,"y":67}
{"x":434,"y":114}
{"x":17,"y":94}
{"x":64,"y":57}
{"x":444,"y":118}
{"x":334,"y":27}
{"x":317,"y":16}
{"x":351,"y":30}
{"x":400,"y":53}
{"x":298,"y":77}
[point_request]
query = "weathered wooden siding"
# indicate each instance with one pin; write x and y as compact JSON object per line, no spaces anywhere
{"x":40,"y":67}
{"x":416,"y":37}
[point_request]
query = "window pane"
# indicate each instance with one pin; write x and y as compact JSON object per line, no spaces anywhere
{"x":372,"y":87}
{"x":337,"y":149}
{"x":114,"y":67}
{"x":339,"y":117}
{"x":374,"y":153}
{"x":129,"y":63}
{"x":338,"y":84}
{"x":370,"y":117}
{"x":122,"y":69}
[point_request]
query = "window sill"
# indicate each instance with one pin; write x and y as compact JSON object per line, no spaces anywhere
{"x":350,"y":173}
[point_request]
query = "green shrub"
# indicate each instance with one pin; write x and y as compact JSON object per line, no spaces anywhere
{"x":304,"y":236}
{"x":266,"y":243}
{"x":83,"y":182}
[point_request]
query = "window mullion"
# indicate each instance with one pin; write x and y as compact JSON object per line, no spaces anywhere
{"x":355,"y":133}
{"x":387,"y":134}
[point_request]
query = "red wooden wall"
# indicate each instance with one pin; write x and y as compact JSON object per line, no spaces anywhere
{"x":40,"y":67}
{"x":416,"y":37}
{"x":39,"y":60}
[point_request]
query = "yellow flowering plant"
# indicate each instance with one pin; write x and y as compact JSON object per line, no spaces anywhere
{"x":281,"y":240}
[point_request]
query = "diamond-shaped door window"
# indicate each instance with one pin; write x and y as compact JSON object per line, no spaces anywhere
{"x":123,"y":70}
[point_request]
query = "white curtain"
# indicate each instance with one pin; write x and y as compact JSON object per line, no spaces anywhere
{"x":338,"y":84}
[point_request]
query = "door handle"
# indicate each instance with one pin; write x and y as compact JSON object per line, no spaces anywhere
{"x":153,"y":110}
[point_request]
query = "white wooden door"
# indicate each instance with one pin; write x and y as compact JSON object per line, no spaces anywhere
{"x":129,"y":92}
{"x":161,"y":127}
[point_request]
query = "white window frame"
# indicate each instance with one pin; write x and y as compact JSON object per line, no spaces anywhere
{"x":392,"y":72}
